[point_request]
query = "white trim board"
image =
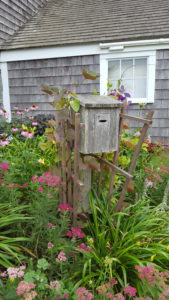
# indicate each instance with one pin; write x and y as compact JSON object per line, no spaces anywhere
{"x":78,"y":50}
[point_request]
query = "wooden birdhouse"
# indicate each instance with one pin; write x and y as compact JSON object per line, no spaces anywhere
{"x":99,"y":116}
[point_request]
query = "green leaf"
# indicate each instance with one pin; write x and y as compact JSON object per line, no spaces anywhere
{"x":42,"y":264}
{"x":75,"y":104}
{"x":92,"y":75}
{"x":29,"y":276}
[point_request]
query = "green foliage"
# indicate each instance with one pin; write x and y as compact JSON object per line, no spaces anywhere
{"x":10,"y":248}
{"x":122,"y":240}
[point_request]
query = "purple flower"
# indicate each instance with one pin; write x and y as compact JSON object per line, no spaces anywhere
{"x":127,"y":95}
{"x":50,"y":245}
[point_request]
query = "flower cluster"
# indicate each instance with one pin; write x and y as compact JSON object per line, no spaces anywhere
{"x":24,"y":288}
{"x":16,"y":272}
{"x":83,"y":294}
{"x":55,"y":285}
{"x":61,"y":256}
{"x":85,"y":248}
{"x":130,"y":290}
{"x":146,"y":273}
{"x":154,"y":176}
{"x":77,"y":232}
{"x":47,"y":179}
{"x":65,"y":206}
{"x":4,"y":166}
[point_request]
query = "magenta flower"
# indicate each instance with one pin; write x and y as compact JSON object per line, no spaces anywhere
{"x":113,"y":281}
{"x":75,"y":232}
{"x":69,"y":234}
{"x":27,"y":134}
{"x":14,"y":129}
{"x":109,"y":296}
{"x":49,"y":225}
{"x":65,"y":206}
{"x":85,"y":248}
{"x":4,"y":166}
{"x":65,"y":296}
{"x":50,"y":245}
{"x":131,"y":291}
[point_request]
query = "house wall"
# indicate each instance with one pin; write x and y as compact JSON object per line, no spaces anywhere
{"x":26,"y":78}
{"x":15,"y":13}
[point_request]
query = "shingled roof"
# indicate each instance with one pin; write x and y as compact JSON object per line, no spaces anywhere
{"x":64,"y":22}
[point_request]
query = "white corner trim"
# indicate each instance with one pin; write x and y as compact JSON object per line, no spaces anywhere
{"x":5,"y":89}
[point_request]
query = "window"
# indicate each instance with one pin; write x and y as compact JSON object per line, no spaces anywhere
{"x":137,"y":71}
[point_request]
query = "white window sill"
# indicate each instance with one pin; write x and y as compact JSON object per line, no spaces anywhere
{"x":140,"y":100}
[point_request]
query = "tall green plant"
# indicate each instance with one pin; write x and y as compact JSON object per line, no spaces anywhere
{"x":10,"y":245}
{"x":136,"y":236}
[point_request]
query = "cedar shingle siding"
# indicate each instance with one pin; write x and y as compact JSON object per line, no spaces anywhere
{"x":15,"y":13}
{"x":26,"y":77}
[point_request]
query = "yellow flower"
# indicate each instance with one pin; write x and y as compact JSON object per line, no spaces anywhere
{"x":11,"y":279}
{"x":107,"y":260}
{"x":41,"y":161}
{"x":138,"y":243}
{"x":152,"y":257}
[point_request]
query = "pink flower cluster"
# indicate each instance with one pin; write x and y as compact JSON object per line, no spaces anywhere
{"x":153,"y":176}
{"x":77,"y":232}
{"x":61,"y":256}
{"x":83,"y":294}
{"x":85,"y":248}
{"x":65,"y":206}
{"x":4,"y":166}
{"x":146,"y":273}
{"x":24,"y":288}
{"x":16,"y":272}
{"x":27,"y":109}
{"x":27,"y":134}
{"x":55,"y":285}
{"x":129,"y":290}
{"x":48,"y":179}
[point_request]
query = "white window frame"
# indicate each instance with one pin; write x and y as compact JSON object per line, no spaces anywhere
{"x":151,"y":63}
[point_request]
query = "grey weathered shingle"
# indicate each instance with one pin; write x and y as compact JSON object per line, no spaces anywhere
{"x":64,"y":22}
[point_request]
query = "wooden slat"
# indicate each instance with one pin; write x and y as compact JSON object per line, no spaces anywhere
{"x":145,"y":121}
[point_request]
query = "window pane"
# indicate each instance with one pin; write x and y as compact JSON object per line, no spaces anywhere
{"x":127,"y":68}
{"x":128,"y":84}
{"x":114,"y":69}
{"x":140,"y":88}
{"x":140,"y":67}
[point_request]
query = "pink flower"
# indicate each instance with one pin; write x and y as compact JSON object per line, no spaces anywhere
{"x":55,"y":285}
{"x":65,"y":206}
{"x":41,"y":189}
{"x":131,"y":291}
{"x":27,"y":134}
{"x":49,"y":225}
{"x":109,"y":296}
{"x":16,"y":272}
{"x":83,"y":294}
{"x":58,"y":297}
{"x":3,"y":112}
{"x":65,"y":296}
{"x":4,"y":166}
{"x":85,"y":248}
{"x":20,"y":112}
{"x":14,"y":129}
{"x":15,"y":107}
{"x":4,"y":143}
{"x":113,"y":281}
{"x":49,"y":195}
{"x":69,"y":234}
{"x":3,"y":274}
{"x":34,"y":123}
{"x":119,"y":296}
{"x":34,"y":178}
{"x":24,"y":287}
{"x":61,"y":256}
{"x":27,"y":109}
{"x":138,"y":133}
{"x":24,"y":185}
{"x":50,"y":245}
{"x":33,"y":107}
